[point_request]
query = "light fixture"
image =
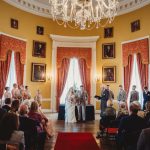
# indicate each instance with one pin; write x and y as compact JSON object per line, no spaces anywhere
{"x":97,"y":78}
{"x":49,"y":77}
{"x":83,"y":14}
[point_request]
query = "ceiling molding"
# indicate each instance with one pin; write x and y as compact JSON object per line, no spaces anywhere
{"x":74,"y":39}
{"x":38,"y":7}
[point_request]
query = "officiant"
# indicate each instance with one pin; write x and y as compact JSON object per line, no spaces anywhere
{"x":104,"y":96}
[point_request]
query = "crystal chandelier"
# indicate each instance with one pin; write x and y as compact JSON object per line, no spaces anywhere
{"x":83,"y":14}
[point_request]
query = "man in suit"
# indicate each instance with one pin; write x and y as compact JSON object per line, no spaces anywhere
{"x":82,"y":100}
{"x":130,"y":128}
{"x":111,"y":94}
{"x":122,"y":96}
{"x":104,"y":97}
{"x":134,"y":95}
{"x":146,"y":96}
{"x":143,"y":142}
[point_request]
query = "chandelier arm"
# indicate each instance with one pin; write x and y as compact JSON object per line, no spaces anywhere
{"x":60,"y":23}
{"x":70,"y":26}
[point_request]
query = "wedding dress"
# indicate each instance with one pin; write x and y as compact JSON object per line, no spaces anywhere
{"x":70,"y":108}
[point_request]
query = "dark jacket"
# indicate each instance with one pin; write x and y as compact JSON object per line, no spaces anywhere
{"x":2,"y":112}
{"x":131,"y":123}
{"x":129,"y":130}
{"x":144,"y":140}
{"x":104,"y":97}
{"x":146,"y":97}
{"x":6,"y":107}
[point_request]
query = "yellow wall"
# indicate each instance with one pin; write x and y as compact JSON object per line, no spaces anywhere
{"x":27,"y":30}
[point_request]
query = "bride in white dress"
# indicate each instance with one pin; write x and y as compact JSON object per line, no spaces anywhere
{"x":70,"y":106}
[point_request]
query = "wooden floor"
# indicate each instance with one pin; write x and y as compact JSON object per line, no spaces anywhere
{"x":61,"y":126}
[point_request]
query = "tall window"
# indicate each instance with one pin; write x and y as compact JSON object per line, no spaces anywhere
{"x":12,"y":73}
{"x":135,"y":80}
{"x":73,"y":78}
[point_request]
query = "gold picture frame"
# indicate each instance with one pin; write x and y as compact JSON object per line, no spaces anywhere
{"x":39,"y":49}
{"x":38,"y":72}
{"x":108,"y":50}
{"x":109,"y":74}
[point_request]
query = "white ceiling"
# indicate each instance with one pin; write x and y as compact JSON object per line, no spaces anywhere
{"x":42,"y":8}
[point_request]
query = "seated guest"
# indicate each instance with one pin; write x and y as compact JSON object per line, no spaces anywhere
{"x":147,"y":113}
{"x":107,"y":119}
{"x":34,"y":114}
{"x":143,"y":142}
{"x":122,"y":112}
{"x":7,"y":105}
{"x":2,"y":112}
{"x":14,"y":106}
{"x":110,"y":111}
{"x":33,"y":139}
{"x":130,"y":128}
{"x":122,"y":109}
{"x":9,"y":130}
{"x":27,"y":102}
{"x":141,"y":113}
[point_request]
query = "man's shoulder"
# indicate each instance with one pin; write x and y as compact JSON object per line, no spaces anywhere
{"x":146,"y":131}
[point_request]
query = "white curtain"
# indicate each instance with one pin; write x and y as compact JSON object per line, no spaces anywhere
{"x":135,"y":80}
{"x":73,"y":79}
{"x":12,"y":74}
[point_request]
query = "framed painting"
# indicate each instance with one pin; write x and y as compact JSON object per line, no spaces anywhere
{"x":14,"y":23}
{"x":38,"y":72}
{"x":40,"y":30}
{"x":39,"y":49}
{"x":135,"y":25}
{"x":108,"y":50}
{"x":108,"y":32}
{"x":109,"y":74}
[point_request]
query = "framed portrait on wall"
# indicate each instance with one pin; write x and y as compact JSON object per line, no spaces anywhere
{"x":40,"y":30}
{"x":108,"y":32}
{"x":135,"y":25}
{"x":38,"y":72}
{"x":14,"y":23}
{"x":109,"y":74}
{"x":39,"y":49}
{"x":108,"y":50}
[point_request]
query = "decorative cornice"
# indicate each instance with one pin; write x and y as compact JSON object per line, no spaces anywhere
{"x":13,"y":36}
{"x":43,"y":9}
{"x":74,"y":39}
{"x":126,"y":6}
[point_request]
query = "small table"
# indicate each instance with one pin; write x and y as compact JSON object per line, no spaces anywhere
{"x":90,"y":112}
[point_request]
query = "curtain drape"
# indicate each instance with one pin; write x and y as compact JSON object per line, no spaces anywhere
{"x":127,"y":73}
{"x":19,"y":68}
{"x":143,"y":71}
{"x":4,"y":70}
{"x":62,"y":73}
{"x":85,"y":76}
